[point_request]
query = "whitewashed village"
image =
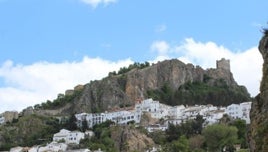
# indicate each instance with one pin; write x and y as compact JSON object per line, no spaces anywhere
{"x":169,"y":114}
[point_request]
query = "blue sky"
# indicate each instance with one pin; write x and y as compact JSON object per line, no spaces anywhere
{"x":44,"y":43}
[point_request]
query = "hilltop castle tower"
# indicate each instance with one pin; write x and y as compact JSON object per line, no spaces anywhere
{"x":223,"y":64}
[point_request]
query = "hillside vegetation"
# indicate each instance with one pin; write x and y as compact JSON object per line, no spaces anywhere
{"x":200,"y":92}
{"x":28,"y":131}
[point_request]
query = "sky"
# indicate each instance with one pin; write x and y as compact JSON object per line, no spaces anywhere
{"x":49,"y":46}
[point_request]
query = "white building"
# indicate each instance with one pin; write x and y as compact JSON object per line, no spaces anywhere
{"x":214,"y":116}
{"x":176,"y":112}
{"x":156,"y":127}
{"x":174,"y":115}
{"x":89,"y":133}
{"x":16,"y":149}
{"x":246,"y":106}
{"x":68,"y":137}
{"x":234,"y":110}
{"x":173,"y":121}
{"x":52,"y":147}
{"x":80,"y":118}
{"x":192,"y":112}
{"x":74,"y":137}
{"x":241,"y":111}
{"x":164,"y":110}
{"x":61,"y":136}
{"x":119,"y":117}
{"x":152,"y":107}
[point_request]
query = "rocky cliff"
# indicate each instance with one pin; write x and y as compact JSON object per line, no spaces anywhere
{"x":129,"y":139}
{"x":164,"y":81}
{"x":123,"y":90}
{"x":259,"y":112}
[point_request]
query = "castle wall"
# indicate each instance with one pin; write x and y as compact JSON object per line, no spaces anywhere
{"x":223,"y":64}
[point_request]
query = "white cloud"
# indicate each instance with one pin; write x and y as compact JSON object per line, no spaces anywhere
{"x":161,"y":47}
{"x":96,"y":3}
{"x":27,"y":85}
{"x":246,"y":65}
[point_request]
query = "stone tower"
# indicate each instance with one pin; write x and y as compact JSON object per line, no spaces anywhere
{"x":223,"y":64}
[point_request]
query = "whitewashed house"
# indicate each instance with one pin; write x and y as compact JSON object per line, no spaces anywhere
{"x":151,"y":106}
{"x":96,"y":118}
{"x":74,"y":137}
{"x":52,"y":147}
{"x":176,"y":112}
{"x":164,"y":111}
{"x":234,"y":110}
{"x":68,"y":137}
{"x":214,"y":116}
{"x":156,"y":127}
{"x":173,"y":121}
{"x":207,"y":108}
{"x":17,"y":149}
{"x":61,"y":136}
{"x":89,"y":133}
{"x":119,"y":117}
{"x":246,"y":106}
{"x":192,"y":112}
{"x":156,"y":109}
{"x":79,"y":118}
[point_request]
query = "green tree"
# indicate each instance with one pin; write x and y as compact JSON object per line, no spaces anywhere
{"x":197,"y":124}
{"x":173,"y":132}
{"x":218,"y":136}
{"x":71,"y":124}
{"x":84,"y":125}
{"x":159,"y":137}
{"x":242,"y":131}
{"x":180,"y":145}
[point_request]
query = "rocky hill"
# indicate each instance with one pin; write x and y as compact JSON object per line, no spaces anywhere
{"x":259,"y":115}
{"x":171,"y":82}
{"x":128,"y":138}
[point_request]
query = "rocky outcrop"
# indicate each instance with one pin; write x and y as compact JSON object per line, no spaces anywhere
{"x":123,"y":90}
{"x":10,"y":115}
{"x":119,"y":91}
{"x":258,"y":134}
{"x":173,"y":72}
{"x":129,"y":139}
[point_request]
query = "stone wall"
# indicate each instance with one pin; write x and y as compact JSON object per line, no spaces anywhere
{"x":223,"y":64}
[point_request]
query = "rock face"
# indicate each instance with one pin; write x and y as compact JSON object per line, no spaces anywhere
{"x":123,"y":90}
{"x":10,"y":115}
{"x":259,"y":112}
{"x":128,"y":139}
{"x":119,"y":91}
